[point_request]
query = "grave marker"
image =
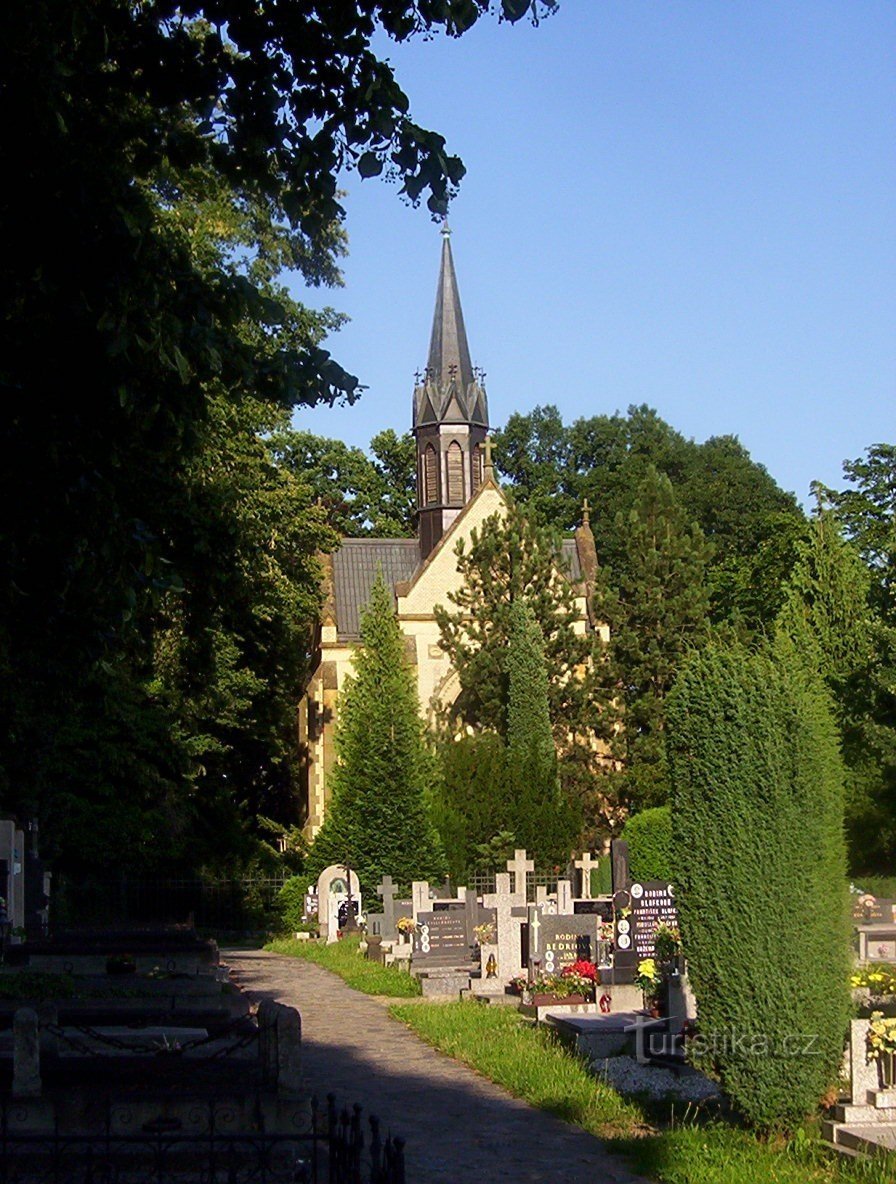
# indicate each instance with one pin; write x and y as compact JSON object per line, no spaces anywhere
{"x":519,"y":866}
{"x":653,"y":904}
{"x":586,"y":865}
{"x":567,"y":939}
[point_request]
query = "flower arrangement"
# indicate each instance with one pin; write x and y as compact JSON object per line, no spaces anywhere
{"x":605,"y":931}
{"x":878,"y":979}
{"x":881,"y":1040}
{"x":577,"y":979}
{"x":484,"y":933}
{"x":648,"y":978}
{"x":406,"y":926}
{"x":667,"y":942}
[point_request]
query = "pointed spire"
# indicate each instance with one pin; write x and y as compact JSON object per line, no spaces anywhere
{"x":449,"y":353}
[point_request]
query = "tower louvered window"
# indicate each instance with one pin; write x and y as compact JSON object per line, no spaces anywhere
{"x":430,"y":476}
{"x":477,"y":467}
{"x":455,"y":474}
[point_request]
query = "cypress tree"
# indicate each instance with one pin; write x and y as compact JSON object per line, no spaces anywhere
{"x":542,"y":819}
{"x":761,"y":876}
{"x":378,"y":819}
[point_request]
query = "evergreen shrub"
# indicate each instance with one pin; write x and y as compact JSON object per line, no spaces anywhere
{"x":291,"y":904}
{"x":761,"y":877}
{"x":649,"y":838}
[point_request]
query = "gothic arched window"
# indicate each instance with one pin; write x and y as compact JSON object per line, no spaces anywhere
{"x":430,"y":476}
{"x":477,"y":467}
{"x":455,"y":474}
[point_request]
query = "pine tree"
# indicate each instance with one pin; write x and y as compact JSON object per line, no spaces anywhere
{"x":378,"y":819}
{"x":828,"y":615}
{"x":508,"y":558}
{"x":542,"y":819}
{"x":757,"y":817}
{"x":657,"y":612}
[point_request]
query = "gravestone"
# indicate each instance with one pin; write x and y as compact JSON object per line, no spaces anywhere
{"x":12,"y":884}
{"x":441,"y":939}
{"x":586,"y":866}
{"x":420,"y":897}
{"x":564,"y":897}
{"x":387,"y":891}
{"x":332,"y":894}
{"x":652,"y":904}
{"x":565,"y":940}
{"x":518,"y":867}
{"x":507,"y":947}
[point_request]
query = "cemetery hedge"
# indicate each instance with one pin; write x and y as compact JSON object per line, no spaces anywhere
{"x":758,"y":832}
{"x":649,"y":838}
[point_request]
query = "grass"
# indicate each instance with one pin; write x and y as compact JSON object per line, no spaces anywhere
{"x":687,"y":1149}
{"x":344,"y":959}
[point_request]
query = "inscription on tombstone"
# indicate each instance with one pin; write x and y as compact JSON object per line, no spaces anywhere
{"x":653,"y":904}
{"x":873,"y":909}
{"x":442,"y":934}
{"x":563,"y":940}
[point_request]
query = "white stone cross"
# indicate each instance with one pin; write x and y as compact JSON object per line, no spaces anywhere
{"x":387,"y":891}
{"x":507,"y":939}
{"x":519,"y":865}
{"x":586,"y":865}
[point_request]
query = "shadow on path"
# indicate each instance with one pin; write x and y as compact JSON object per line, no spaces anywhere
{"x":458,"y":1125}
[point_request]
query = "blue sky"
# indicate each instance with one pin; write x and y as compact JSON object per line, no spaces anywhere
{"x":687,"y":204}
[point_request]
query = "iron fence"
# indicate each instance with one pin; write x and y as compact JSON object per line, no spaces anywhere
{"x":199,"y":1149}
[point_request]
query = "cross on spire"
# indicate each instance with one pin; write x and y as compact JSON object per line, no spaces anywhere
{"x":488,"y":462}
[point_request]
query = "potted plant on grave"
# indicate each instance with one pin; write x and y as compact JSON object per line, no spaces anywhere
{"x":649,"y":980}
{"x":881,"y":1047}
{"x":574,"y":984}
{"x":406,"y":927}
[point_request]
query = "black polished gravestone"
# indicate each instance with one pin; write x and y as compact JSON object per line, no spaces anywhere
{"x":556,"y":942}
{"x":653,"y":904}
{"x":625,"y":959}
{"x":441,"y":939}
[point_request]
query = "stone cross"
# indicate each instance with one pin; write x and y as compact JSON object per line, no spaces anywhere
{"x":387,"y":891}
{"x":564,"y":898}
{"x":506,"y":905}
{"x":487,"y":449}
{"x":586,"y":865}
{"x":519,"y":865}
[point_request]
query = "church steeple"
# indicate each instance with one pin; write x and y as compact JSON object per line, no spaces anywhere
{"x":450,"y":415}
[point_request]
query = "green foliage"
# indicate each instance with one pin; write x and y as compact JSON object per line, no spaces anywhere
{"x":344,"y":958}
{"x":291,"y":903}
{"x":751,"y":523}
{"x":650,"y":851}
{"x":378,"y":820}
{"x":470,"y":803}
{"x":758,"y":836}
{"x":542,"y":818}
{"x":657,"y":611}
{"x":360,"y":495}
{"x":179,"y":163}
{"x":602,"y":877}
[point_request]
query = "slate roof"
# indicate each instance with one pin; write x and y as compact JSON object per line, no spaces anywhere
{"x":355,"y":566}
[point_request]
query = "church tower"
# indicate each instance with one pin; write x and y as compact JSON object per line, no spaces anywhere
{"x":450,"y":418}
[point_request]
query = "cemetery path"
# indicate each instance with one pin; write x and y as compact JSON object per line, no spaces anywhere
{"x":458,"y":1125}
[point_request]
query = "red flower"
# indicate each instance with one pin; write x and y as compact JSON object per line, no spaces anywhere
{"x":583,"y":968}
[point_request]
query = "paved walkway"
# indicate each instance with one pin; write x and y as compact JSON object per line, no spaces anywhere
{"x":459,"y":1127}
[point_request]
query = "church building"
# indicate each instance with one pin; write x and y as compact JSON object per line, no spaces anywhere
{"x":456,"y":493}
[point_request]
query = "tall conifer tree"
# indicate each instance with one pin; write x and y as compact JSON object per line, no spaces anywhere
{"x":657,"y":611}
{"x":378,"y":821}
{"x":757,"y":827}
{"x":541,"y":819}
